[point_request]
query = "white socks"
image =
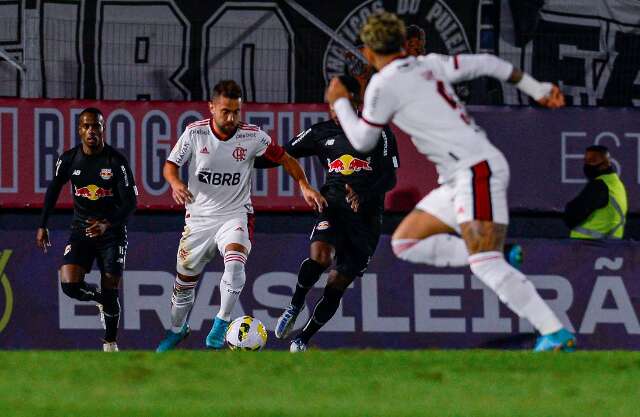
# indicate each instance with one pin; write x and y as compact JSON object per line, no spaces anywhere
{"x":440,"y":250}
{"x":231,"y":283}
{"x":181,"y":303}
{"x":515,"y":290}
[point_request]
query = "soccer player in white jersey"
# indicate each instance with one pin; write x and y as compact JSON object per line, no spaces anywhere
{"x":416,"y":94}
{"x":219,"y":215}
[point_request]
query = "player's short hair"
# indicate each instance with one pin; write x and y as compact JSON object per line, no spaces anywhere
{"x":352,"y":85}
{"x":415,"y":31}
{"x":227,"y":88}
{"x":599,"y":149}
{"x":91,"y":110}
{"x":384,"y":33}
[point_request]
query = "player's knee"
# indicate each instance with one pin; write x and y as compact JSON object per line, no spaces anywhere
{"x":323,"y":258}
{"x":411,"y":250}
{"x":109,"y":280}
{"x":339,"y":282}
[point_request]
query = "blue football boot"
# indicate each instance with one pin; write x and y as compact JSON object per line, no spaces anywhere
{"x":286,"y":322}
{"x":215,"y":338}
{"x":513,"y":255}
{"x":171,"y":339}
{"x":562,"y":340}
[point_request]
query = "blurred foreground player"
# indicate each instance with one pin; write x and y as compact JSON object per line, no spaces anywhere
{"x":416,"y":94}
{"x":104,"y":196}
{"x":219,"y":215}
{"x":349,"y":229}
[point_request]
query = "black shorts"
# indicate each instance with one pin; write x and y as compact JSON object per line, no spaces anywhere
{"x":354,"y":235}
{"x":109,"y":250}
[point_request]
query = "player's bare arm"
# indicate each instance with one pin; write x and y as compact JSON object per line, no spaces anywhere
{"x":42,"y":239}
{"x":179,"y":190}
{"x":97,"y":227}
{"x":313,"y":198}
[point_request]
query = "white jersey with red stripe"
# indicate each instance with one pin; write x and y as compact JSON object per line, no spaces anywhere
{"x":220,"y":170}
{"x":416,"y":94}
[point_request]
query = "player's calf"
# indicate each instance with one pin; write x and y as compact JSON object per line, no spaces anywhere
{"x":182,"y":300}
{"x":82,"y":291}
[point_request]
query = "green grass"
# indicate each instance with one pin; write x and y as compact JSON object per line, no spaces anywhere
{"x":320,"y":383}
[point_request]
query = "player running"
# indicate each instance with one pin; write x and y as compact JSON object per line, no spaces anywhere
{"x":104,"y":196}
{"x":349,"y":229}
{"x":219,"y":215}
{"x":416,"y":94}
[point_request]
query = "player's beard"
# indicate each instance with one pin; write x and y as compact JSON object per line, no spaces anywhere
{"x":227,"y":128}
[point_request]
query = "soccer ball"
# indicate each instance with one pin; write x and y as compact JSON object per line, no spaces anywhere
{"x":246,"y":333}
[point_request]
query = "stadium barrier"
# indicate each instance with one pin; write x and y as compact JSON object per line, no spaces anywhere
{"x":544,"y":148}
{"x":594,"y":290}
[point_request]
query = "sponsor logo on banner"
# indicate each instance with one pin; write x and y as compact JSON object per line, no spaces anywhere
{"x":6,"y":310}
{"x":106,"y":174}
{"x":432,"y":16}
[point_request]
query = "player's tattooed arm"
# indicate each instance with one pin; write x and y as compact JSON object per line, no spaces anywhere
{"x":313,"y":198}
{"x":179,"y":190}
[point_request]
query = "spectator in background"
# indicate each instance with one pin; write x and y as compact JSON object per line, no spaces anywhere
{"x":416,"y":41}
{"x":600,"y":210}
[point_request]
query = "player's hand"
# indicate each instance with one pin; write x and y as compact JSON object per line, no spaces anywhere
{"x":335,"y":91}
{"x":352,"y":198}
{"x":313,"y":198}
{"x":554,"y":99}
{"x":42,"y":239}
{"x":181,"y":194}
{"x":96,"y":228}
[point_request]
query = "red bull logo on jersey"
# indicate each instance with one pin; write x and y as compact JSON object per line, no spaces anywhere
{"x":93,"y":192}
{"x":347,"y":165}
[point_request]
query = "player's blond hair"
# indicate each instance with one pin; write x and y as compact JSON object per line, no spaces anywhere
{"x":384,"y":33}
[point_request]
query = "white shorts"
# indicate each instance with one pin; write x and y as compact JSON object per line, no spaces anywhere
{"x":202,"y":236}
{"x":475,"y":193}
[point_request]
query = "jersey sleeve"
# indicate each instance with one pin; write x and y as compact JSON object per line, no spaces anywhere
{"x":60,"y":177}
{"x":126,"y":191}
{"x":183,"y":149}
{"x":304,"y":144}
{"x":380,"y":103}
{"x":465,"y":67}
{"x":268,"y":149}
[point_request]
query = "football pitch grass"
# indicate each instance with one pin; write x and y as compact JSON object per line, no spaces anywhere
{"x":319,"y":383}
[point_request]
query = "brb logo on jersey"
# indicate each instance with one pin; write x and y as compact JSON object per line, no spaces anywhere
{"x":218,"y":178}
{"x":347,"y":165}
{"x":239,"y":154}
{"x":93,"y":192}
{"x":444,"y":29}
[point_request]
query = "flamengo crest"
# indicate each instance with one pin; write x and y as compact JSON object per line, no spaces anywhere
{"x":240,"y":154}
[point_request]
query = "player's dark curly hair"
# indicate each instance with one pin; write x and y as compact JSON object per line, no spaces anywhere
{"x":352,"y":85}
{"x":227,"y":88}
{"x":415,"y":31}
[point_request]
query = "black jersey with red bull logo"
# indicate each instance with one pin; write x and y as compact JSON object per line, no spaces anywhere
{"x":102,"y":186}
{"x":370,"y":175}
